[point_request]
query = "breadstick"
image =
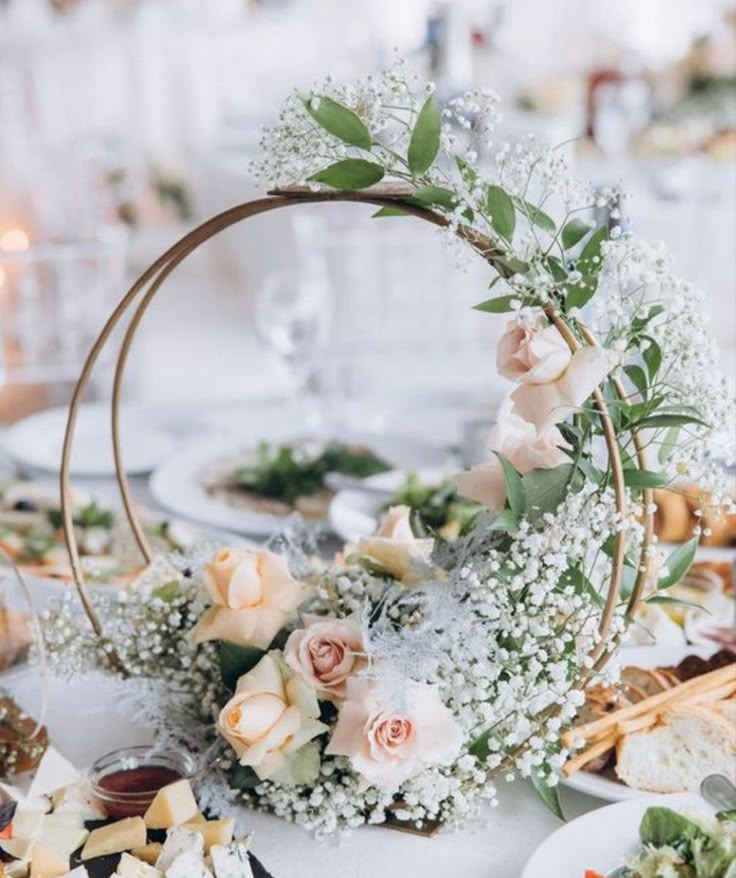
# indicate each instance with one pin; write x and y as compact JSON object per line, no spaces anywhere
{"x":582,"y":758}
{"x":704,"y":683}
{"x":636,"y":725}
{"x":719,"y":694}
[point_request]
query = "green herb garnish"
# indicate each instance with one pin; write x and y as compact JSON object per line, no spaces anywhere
{"x":436,"y":508}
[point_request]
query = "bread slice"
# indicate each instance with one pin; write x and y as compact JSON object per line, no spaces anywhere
{"x":676,"y":754}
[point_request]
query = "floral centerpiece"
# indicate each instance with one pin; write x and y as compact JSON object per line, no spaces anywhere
{"x":398,"y":680}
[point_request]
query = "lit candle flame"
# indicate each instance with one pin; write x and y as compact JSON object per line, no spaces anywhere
{"x":14,"y":241}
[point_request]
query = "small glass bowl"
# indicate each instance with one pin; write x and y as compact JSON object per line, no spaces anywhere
{"x":155,"y":768}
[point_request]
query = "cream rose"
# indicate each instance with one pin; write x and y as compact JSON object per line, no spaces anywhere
{"x":388,"y":744}
{"x":526,"y":450}
{"x":272,"y":715}
{"x":394,"y":547}
{"x":554,"y":381}
{"x":325,"y":653}
{"x":254,"y":596}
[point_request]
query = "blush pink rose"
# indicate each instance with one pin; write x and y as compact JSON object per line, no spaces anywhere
{"x":387,"y":744}
{"x":554,"y":382}
{"x":325,"y":653}
{"x":532,"y":353}
{"x":253,"y":596}
{"x":523,"y":447}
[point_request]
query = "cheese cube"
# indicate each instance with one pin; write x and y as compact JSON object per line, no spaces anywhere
{"x":231,"y":861}
{"x":172,"y":805}
{"x":120,"y":836}
{"x":53,"y":773}
{"x":27,"y":824}
{"x":79,"y":872}
{"x":130,"y":867}
{"x":20,"y":848}
{"x":78,"y":799}
{"x":149,"y":853}
{"x":188,"y":865}
{"x":213,"y":831}
{"x":179,"y":841}
{"x":16,"y":869}
{"x":46,"y":863}
{"x":62,"y":840}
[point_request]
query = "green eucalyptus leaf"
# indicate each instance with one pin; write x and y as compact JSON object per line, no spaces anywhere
{"x":515,"y":493}
{"x":499,"y":305}
{"x":350,"y":174}
{"x":506,"y":521}
{"x":574,"y":232}
{"x":550,"y":796}
{"x":590,"y":471}
{"x":243,"y":777}
{"x":545,"y":489}
{"x":424,"y":143}
{"x":389,"y":211}
{"x":675,"y":602}
{"x":339,"y":120}
{"x":556,"y":269}
{"x":236,"y":660}
{"x":638,"y":378}
{"x":535,"y":215}
{"x":642,"y":478}
{"x":436,"y":195}
{"x":668,"y":420}
{"x":652,"y":356}
{"x":668,"y":445}
{"x":579,"y":294}
{"x":678,"y":564}
{"x":582,"y":585}
{"x":502,"y":212}
{"x":590,"y":257}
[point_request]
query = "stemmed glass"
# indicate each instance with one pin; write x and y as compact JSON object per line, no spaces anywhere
{"x":293,"y":317}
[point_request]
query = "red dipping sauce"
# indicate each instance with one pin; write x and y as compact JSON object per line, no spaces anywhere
{"x":138,"y":785}
{"x":125,"y":782}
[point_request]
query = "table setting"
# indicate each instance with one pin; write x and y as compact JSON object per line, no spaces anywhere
{"x":454,"y":591}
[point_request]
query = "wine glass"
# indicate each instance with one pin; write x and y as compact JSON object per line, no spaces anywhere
{"x":293,"y":318}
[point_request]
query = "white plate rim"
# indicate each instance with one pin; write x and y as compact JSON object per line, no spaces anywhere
{"x":603,"y":827}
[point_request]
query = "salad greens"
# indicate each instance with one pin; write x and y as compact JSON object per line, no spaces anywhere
{"x":676,"y":846}
{"x":435,"y":509}
{"x":287,"y":472}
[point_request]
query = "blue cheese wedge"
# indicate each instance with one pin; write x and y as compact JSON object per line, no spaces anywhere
{"x":231,"y":861}
{"x":179,"y":841}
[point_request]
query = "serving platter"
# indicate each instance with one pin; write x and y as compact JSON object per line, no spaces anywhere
{"x":606,"y":786}
{"x":177,"y":484}
{"x":603,"y":839}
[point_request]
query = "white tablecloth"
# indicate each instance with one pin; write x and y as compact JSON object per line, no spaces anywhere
{"x":84,"y":725}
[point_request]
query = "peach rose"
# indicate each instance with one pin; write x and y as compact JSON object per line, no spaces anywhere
{"x":254,"y":596}
{"x":394,"y":547}
{"x":554,"y":381}
{"x":520,"y":444}
{"x":325,"y":653}
{"x":272,"y":715}
{"x":389,"y":744}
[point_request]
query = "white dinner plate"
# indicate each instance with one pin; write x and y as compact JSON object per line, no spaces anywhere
{"x":36,"y":442}
{"x":354,"y":513}
{"x":177,"y":483}
{"x":609,"y":789}
{"x":605,"y":838}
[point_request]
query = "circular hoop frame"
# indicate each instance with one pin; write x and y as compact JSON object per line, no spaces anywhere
{"x":153,"y":278}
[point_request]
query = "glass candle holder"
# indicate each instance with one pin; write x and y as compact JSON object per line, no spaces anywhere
{"x":126,"y":781}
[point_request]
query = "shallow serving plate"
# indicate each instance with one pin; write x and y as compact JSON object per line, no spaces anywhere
{"x":177,"y":483}
{"x":36,"y":442}
{"x":608,"y":787}
{"x":603,"y":839}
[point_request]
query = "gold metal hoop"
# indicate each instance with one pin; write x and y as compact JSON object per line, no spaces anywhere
{"x":150,"y":282}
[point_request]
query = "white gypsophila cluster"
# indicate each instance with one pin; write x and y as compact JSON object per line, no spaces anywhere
{"x":637,"y":281}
